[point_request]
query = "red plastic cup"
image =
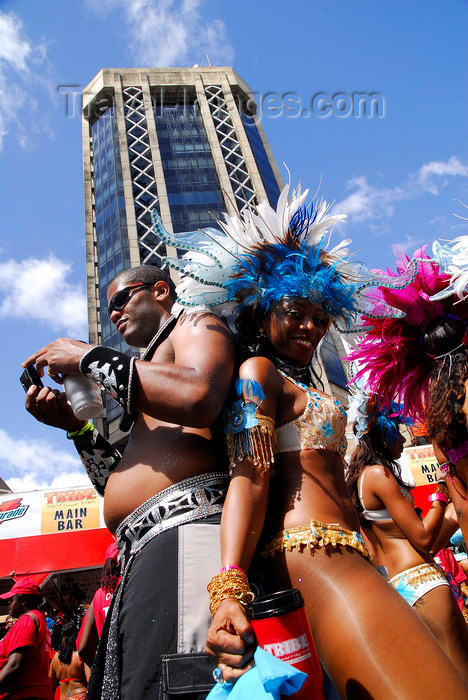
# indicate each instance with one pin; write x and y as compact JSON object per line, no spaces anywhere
{"x":281,"y":626}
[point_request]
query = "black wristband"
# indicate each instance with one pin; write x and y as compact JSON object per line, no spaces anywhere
{"x":112,"y":371}
{"x":98,"y":456}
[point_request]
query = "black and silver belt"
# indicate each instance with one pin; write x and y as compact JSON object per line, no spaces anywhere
{"x":191,"y":499}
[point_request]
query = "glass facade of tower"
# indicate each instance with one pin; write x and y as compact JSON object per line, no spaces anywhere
{"x":263,"y":163}
{"x":192,"y":183}
{"x":163,"y":138}
{"x":111,"y":227}
{"x":331,"y":362}
{"x":111,"y":221}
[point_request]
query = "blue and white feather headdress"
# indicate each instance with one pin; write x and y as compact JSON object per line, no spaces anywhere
{"x":266,"y":254}
{"x":452,"y":257}
{"x":366,"y":413}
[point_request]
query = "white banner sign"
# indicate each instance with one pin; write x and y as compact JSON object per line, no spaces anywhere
{"x":50,"y":511}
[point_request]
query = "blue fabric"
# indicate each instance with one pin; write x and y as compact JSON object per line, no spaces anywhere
{"x":457,"y":538}
{"x":409,"y":593}
{"x":268,"y":680}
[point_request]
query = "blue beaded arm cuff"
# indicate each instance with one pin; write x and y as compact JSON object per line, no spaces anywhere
{"x":97,"y":454}
{"x":112,"y":371}
{"x":249,"y":434}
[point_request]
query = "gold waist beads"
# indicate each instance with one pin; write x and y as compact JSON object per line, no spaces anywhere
{"x":419,"y":574}
{"x":317,"y":534}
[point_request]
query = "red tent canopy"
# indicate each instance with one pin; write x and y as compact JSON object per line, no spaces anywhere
{"x":38,"y":556}
{"x":51,"y":530}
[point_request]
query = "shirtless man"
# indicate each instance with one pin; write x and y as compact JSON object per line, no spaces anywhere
{"x":163,"y":497}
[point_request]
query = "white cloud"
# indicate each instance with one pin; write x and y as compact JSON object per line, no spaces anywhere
{"x":12,"y":100}
{"x":19,"y":56}
{"x":429,"y":172}
{"x":37,"y":464}
{"x":367,"y":203}
{"x":38,"y":290}
{"x":33,"y":482}
{"x":171,"y":32}
{"x":410,"y":244}
{"x":15,"y":48}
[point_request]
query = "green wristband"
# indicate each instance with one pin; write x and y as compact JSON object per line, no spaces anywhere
{"x":87,"y":426}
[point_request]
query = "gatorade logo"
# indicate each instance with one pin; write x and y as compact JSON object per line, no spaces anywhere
{"x":10,"y":510}
{"x":290,"y":650}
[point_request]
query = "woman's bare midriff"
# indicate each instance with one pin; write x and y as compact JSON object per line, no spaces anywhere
{"x":310,"y":485}
{"x":394,"y":550}
{"x":157,"y":456}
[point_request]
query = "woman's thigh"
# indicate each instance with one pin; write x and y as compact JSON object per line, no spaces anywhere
{"x":369,"y":640}
{"x":440,"y":612}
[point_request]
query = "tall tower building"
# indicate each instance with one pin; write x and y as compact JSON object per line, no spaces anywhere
{"x":184,"y":140}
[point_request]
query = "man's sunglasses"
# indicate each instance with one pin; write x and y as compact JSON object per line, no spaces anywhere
{"x":121,"y":297}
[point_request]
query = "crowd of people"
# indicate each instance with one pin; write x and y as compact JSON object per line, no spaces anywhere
{"x":234,"y":478}
{"x":401,"y":540}
{"x":42,"y":649}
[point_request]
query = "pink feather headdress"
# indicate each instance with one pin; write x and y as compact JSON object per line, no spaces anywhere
{"x":391,"y":355}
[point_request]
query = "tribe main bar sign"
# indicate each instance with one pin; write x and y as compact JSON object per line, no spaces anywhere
{"x":66,"y":511}
{"x":49,"y":511}
{"x":423,"y":464}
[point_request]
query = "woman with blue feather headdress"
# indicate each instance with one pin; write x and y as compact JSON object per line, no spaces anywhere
{"x":401,"y":540}
{"x":288,"y":513}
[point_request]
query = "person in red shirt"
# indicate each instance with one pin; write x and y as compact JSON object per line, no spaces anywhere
{"x":93,"y":622}
{"x":25,"y":649}
{"x":455,"y":575}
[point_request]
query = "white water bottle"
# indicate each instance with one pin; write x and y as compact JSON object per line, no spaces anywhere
{"x":84,"y":396}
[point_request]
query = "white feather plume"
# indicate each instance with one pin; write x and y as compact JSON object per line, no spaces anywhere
{"x":268,"y":225}
{"x":211,"y":255}
{"x":452,"y":258}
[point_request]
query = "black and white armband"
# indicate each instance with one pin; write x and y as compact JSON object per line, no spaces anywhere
{"x":97,"y":454}
{"x":112,"y":371}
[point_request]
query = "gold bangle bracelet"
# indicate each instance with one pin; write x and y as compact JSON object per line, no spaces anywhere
{"x":232,"y":583}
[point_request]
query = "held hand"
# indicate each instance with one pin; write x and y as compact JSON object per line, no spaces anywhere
{"x":231,"y":640}
{"x":51,"y":407}
{"x":62,"y":356}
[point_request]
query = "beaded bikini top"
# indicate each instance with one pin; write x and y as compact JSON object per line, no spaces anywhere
{"x":322,"y":426}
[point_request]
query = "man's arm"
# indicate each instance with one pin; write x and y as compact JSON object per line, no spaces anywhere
{"x":98,"y":456}
{"x":89,"y":638}
{"x":10,"y":670}
{"x":189,"y":391}
{"x":192,"y":390}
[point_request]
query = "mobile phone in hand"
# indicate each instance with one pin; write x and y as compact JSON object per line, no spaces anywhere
{"x":30,"y":377}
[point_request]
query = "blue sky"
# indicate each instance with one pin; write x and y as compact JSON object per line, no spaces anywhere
{"x":400,"y":173}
